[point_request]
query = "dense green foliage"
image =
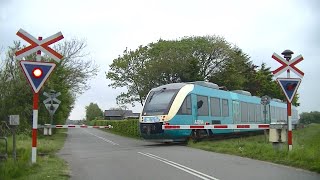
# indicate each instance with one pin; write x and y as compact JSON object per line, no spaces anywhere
{"x":48,"y":166}
{"x":305,"y":153}
{"x":312,"y":117}
{"x":93,"y":112}
{"x":128,"y":128}
{"x":208,"y":58}
{"x":69,"y":78}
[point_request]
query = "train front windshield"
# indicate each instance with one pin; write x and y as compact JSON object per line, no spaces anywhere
{"x":158,"y":102}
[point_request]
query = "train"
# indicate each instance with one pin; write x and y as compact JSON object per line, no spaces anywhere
{"x":201,"y":102}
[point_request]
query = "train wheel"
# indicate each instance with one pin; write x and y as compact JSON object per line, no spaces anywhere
{"x":199,"y":134}
{"x":196,"y":135}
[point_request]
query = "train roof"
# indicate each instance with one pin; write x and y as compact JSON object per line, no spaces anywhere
{"x":170,"y":86}
{"x":240,"y":94}
{"x":205,"y":84}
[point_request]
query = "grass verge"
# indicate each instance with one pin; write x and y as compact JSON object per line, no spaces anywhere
{"x":305,"y":153}
{"x":48,"y":165}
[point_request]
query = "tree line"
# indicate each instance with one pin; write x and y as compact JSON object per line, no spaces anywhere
{"x":310,"y":117}
{"x":69,"y":78}
{"x":196,"y":58}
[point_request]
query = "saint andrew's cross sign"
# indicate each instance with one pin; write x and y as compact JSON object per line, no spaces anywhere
{"x":36,"y":45}
{"x":287,"y":65}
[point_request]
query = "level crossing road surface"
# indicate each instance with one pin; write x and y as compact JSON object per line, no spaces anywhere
{"x":93,"y":154}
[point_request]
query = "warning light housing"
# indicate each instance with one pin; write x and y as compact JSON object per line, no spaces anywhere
{"x":37,"y":72}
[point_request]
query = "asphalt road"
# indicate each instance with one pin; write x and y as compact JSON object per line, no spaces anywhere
{"x":93,"y":155}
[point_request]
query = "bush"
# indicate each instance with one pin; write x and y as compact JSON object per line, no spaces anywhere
{"x":128,"y":127}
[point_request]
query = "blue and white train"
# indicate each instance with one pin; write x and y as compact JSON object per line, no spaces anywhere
{"x":203,"y":103}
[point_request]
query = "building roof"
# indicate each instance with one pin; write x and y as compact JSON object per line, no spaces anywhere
{"x":136,"y":114}
{"x":118,"y":113}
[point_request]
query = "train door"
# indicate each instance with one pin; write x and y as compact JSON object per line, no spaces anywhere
{"x":200,"y":115}
{"x":236,"y":112}
{"x":185,"y":113}
{"x":202,"y":110}
{"x":194,"y":108}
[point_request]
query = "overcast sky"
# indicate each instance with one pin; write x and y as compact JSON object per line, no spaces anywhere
{"x":260,"y":28}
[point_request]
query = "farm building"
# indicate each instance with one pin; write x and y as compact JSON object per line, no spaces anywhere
{"x":120,"y":114}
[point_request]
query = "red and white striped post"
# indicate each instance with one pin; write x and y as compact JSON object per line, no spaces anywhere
{"x":35,"y":127}
{"x":35,"y":117}
{"x":289,"y":125}
{"x":289,"y":119}
{"x":287,"y":55}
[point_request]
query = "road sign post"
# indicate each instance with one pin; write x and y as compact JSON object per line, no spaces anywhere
{"x":288,"y":85}
{"x":50,"y":106}
{"x":14,"y":120}
{"x":265,"y":100}
{"x":37,"y":72}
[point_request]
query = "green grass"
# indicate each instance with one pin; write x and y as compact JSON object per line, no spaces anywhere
{"x":305,"y":153}
{"x":48,"y":165}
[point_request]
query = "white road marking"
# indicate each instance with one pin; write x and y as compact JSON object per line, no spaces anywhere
{"x":179,"y":166}
{"x":102,"y":138}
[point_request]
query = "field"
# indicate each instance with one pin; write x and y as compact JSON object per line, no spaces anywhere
{"x":48,"y":165}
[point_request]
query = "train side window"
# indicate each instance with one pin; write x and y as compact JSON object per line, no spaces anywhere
{"x":262,"y":112}
{"x":215,"y":107}
{"x":225,"y":108}
{"x":244,"y":111}
{"x":251,"y":112}
{"x":278,"y":113}
{"x":283,"y":114}
{"x":273,"y":113}
{"x":269,"y":113}
{"x":258,"y":113}
{"x":204,"y":109}
{"x":186,"y":106}
{"x":236,"y":111}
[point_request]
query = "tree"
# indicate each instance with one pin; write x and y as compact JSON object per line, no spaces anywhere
{"x":129,"y":71}
{"x":234,"y":73}
{"x":93,"y":112}
{"x":75,"y":69}
{"x":14,"y":99}
{"x":308,"y":118}
{"x":163,"y":62}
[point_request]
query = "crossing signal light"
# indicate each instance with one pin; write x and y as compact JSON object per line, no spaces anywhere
{"x":37,"y":72}
{"x":291,"y":86}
